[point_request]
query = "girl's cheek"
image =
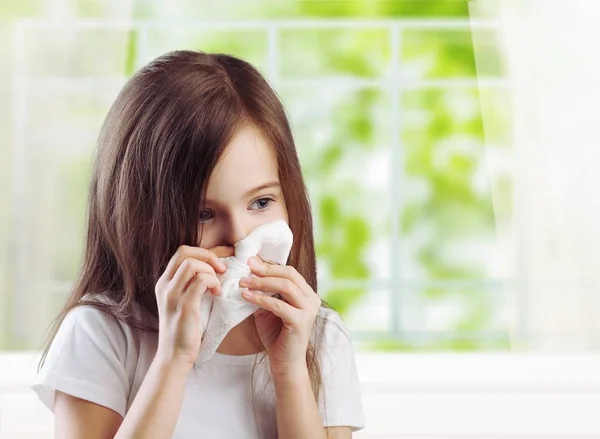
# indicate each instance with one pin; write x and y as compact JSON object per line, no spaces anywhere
{"x":282,"y":213}
{"x":207,"y":239}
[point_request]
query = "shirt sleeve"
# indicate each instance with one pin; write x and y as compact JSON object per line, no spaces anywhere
{"x":340,"y":400}
{"x":86,"y":360}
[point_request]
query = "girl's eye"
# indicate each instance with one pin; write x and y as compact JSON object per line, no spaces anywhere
{"x":205,"y":215}
{"x":263,"y":203}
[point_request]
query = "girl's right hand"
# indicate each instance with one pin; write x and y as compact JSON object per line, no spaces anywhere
{"x":191,"y":273}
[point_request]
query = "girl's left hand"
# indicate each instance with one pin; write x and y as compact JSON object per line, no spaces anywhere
{"x":283,"y":325}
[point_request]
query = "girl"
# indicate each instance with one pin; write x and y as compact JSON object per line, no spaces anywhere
{"x":194,"y":154}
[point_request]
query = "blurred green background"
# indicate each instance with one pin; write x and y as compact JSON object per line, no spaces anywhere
{"x":384,"y":104}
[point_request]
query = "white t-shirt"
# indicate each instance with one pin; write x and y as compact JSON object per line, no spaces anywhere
{"x":100,"y":359}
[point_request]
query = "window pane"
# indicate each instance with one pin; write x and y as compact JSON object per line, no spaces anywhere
{"x":369,"y":313}
{"x":64,"y":51}
{"x":342,"y":138}
{"x":447,"y":222}
{"x":459,"y":316}
{"x":360,"y":53}
{"x":448,"y":53}
{"x":52,"y":182}
{"x":250,"y":45}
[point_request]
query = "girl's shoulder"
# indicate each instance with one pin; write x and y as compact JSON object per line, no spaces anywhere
{"x":101,"y":308}
{"x":341,"y":402}
{"x":332,"y":320}
{"x":335,"y":335}
{"x":93,"y":356}
{"x":94,"y":320}
{"x":105,"y":303}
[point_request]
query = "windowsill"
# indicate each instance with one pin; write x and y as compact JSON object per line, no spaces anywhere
{"x":505,"y":394}
{"x":438,"y":394}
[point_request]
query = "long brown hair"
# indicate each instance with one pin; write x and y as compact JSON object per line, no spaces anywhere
{"x":157,"y":147}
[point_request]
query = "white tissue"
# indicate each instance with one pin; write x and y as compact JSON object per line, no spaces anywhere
{"x":272,"y":242}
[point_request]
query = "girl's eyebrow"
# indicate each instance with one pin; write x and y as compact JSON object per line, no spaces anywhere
{"x":262,"y":187}
{"x":271,"y":184}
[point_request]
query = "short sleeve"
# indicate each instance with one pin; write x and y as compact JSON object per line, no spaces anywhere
{"x":340,"y":400}
{"x":86,"y":360}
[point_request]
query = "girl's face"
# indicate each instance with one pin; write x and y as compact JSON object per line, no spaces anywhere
{"x":243,"y":191}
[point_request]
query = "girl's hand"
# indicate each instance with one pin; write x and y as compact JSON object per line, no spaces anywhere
{"x":283,"y":325}
{"x":191,"y":272}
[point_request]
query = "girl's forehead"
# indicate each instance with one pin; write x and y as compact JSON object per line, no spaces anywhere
{"x":248,"y":162}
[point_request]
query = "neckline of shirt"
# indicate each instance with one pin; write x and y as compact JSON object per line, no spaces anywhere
{"x":233,"y":359}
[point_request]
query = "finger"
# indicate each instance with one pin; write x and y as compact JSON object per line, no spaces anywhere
{"x":265,"y":269}
{"x":283,"y":310}
{"x":201,"y":283}
{"x":186,"y":272}
{"x":285,"y":287}
{"x":186,"y":251}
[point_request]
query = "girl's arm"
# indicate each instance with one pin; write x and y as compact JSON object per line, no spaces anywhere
{"x":297,"y":413}
{"x":155,"y":409}
{"x":153,"y":414}
{"x":190,"y":274}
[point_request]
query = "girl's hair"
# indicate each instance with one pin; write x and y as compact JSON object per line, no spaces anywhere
{"x":157,"y":147}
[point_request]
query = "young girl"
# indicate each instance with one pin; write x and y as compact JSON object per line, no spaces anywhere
{"x":194,"y":154}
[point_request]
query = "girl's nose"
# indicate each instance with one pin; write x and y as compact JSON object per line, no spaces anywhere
{"x":236,"y":230}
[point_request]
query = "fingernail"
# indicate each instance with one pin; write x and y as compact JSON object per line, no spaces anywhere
{"x":247,"y":293}
{"x":245,"y":281}
{"x":255,"y":263}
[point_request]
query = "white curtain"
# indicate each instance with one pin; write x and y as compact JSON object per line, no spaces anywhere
{"x":549,"y":244}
